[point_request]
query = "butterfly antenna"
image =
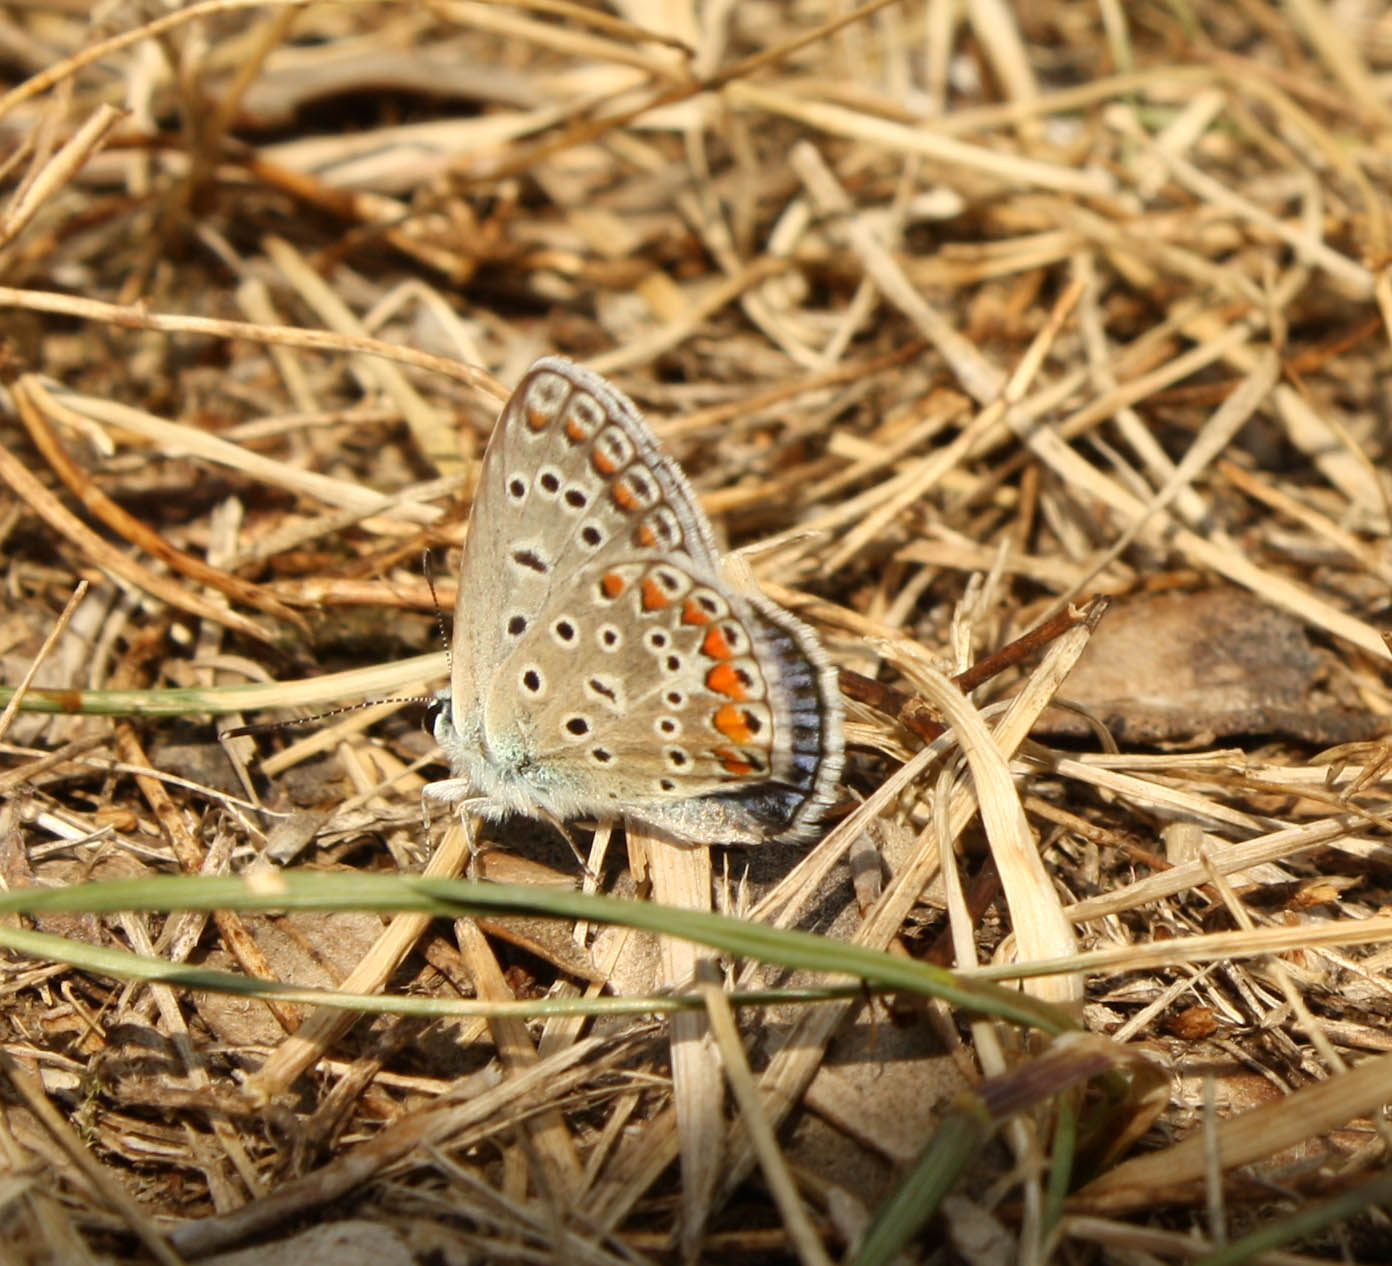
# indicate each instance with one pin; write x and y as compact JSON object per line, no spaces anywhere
{"x":267,"y":727}
{"x":429,"y":571}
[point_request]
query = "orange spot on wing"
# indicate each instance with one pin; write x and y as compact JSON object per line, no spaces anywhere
{"x":645,"y":537}
{"x":716,"y":644}
{"x":733,"y":723}
{"x":612,"y":584}
{"x":599,"y":459}
{"x":575,"y":431}
{"x":726,"y":680}
{"x":733,"y":761}
{"x":694,"y":613}
{"x":537,"y":419}
{"x":654,"y":599}
{"x":623,"y":497}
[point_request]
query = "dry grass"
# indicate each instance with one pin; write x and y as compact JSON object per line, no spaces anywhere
{"x":956,"y":317}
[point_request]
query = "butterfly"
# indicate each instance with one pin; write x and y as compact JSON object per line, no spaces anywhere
{"x":605,"y":665}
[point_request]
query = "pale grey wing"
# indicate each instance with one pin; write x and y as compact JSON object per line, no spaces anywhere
{"x":592,"y":604}
{"x":473,"y":645}
{"x":602,"y":446}
{"x":651,"y":683}
{"x":571,"y":475}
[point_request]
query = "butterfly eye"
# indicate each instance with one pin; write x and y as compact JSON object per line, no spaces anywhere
{"x":437,"y":710}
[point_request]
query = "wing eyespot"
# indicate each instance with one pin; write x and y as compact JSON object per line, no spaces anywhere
{"x":659,"y":529}
{"x":544,"y":397}
{"x":611,"y":452}
{"x":583,"y":418}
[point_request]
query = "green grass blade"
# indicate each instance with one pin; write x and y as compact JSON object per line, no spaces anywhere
{"x":302,"y":890}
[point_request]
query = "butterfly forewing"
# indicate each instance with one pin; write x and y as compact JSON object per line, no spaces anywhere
{"x":566,"y":464}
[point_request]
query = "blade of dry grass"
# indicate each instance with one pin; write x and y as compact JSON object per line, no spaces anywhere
{"x":92,"y":546}
{"x":558,"y":1168}
{"x":30,"y":399}
{"x":1163,"y":1176}
{"x":681,"y":876}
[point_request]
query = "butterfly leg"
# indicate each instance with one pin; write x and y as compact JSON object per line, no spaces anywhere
{"x":570,"y":839}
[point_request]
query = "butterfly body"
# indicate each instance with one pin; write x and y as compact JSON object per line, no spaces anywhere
{"x":604,"y":664}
